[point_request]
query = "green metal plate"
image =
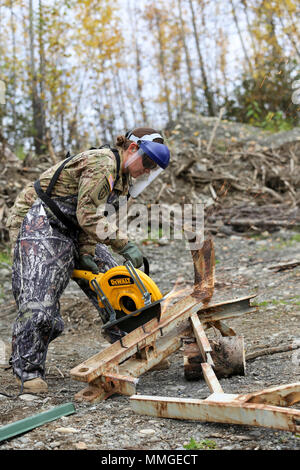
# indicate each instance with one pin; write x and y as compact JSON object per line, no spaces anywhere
{"x":24,"y":425}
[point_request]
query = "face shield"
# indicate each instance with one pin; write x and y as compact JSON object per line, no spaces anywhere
{"x":146,"y":164}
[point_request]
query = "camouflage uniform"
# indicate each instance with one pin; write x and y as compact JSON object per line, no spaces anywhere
{"x":45,"y":250}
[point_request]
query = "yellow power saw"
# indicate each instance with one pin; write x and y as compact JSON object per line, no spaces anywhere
{"x":127,"y":297}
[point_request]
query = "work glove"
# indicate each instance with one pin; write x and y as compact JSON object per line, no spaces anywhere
{"x":133,"y":254}
{"x":86,"y":262}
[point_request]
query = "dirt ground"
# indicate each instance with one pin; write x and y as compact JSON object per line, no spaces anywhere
{"x":242,"y":268}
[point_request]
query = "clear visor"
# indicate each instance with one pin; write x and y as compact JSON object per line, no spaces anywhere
{"x":143,"y":181}
{"x":150,"y":170}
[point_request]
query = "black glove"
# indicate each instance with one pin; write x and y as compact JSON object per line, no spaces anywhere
{"x":86,"y":262}
{"x":132,"y":253}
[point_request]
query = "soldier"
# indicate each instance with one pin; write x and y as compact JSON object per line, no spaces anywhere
{"x":53,"y":228}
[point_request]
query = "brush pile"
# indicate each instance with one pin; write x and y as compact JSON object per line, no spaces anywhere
{"x":247,"y":179}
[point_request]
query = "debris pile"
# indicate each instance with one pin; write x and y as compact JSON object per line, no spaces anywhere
{"x":248,"y":179}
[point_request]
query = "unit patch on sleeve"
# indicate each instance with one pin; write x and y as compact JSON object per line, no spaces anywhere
{"x":101,"y":191}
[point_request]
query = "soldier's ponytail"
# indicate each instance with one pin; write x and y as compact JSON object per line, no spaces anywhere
{"x":134,"y":135}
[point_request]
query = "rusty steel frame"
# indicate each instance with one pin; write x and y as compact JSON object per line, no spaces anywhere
{"x":117,"y":368}
{"x":266,"y":408}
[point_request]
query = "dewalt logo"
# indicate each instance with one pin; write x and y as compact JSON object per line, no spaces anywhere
{"x":120,"y":281}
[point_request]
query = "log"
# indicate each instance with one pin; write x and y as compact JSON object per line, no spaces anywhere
{"x":228,"y":355}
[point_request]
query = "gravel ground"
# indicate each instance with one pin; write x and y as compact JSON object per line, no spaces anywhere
{"x":242,"y":268}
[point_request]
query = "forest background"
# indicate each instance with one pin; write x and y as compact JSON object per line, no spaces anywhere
{"x":77,"y":73}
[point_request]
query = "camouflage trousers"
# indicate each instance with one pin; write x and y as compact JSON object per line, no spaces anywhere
{"x":44,"y":258}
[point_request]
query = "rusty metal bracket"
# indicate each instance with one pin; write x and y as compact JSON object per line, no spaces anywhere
{"x":146,"y":348}
{"x":266,"y":408}
{"x":117,"y":368}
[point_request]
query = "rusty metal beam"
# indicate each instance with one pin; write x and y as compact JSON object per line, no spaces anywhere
{"x":224,"y":329}
{"x":201,"y":339}
{"x":174,"y":323}
{"x":204,"y":271}
{"x":115,"y":369}
{"x":283,"y":395}
{"x":223,"y":408}
{"x":107,"y":385}
{"x":211,"y":378}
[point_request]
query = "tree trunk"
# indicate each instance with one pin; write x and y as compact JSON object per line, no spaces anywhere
{"x":131,"y":97}
{"x":109,"y":105}
{"x":36,"y":103}
{"x":290,"y":37}
{"x":207,"y":92}
{"x":119,"y":95}
{"x":187,"y":59}
{"x":133,"y":12}
{"x":13,"y":99}
{"x":245,"y":5}
{"x":241,"y":36}
{"x":139,"y":81}
{"x":42,"y":71}
{"x":162,"y":63}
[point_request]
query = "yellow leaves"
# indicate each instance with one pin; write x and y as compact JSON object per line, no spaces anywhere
{"x":290,"y":6}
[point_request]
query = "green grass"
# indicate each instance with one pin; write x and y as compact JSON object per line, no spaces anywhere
{"x":261,"y":304}
{"x":294,"y":239}
{"x":265,"y":303}
{"x":279,"y":246}
{"x":206,"y":444}
{"x":20,"y":152}
{"x":5,"y":256}
{"x":259,"y":236}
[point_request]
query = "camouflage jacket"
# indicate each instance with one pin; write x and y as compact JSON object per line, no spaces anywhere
{"x":91,"y":176}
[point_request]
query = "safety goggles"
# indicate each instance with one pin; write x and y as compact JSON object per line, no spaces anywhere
{"x":148,"y":163}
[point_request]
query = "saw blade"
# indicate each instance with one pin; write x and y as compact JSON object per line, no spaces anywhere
{"x":129,"y":322}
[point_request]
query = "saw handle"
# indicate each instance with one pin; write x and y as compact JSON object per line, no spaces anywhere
{"x":84,"y":274}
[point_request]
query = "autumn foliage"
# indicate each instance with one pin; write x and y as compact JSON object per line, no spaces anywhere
{"x":77,"y":72}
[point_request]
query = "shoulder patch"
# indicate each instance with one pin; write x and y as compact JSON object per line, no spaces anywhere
{"x":101,"y":191}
